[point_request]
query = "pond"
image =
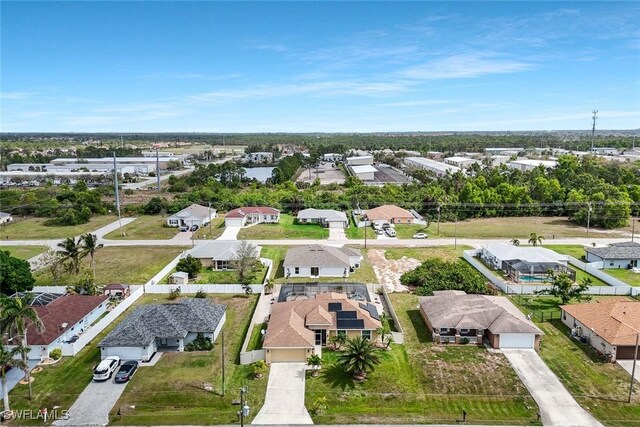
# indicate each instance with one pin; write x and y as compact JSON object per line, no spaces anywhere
{"x":261,"y":174}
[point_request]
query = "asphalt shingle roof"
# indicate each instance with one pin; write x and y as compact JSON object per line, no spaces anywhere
{"x":623,"y":250}
{"x":319,"y":256}
{"x":322,"y":214}
{"x":221,"y":250}
{"x":149,"y":322}
{"x":198,"y":211}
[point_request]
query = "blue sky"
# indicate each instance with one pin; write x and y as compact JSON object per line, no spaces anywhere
{"x":318,"y":66}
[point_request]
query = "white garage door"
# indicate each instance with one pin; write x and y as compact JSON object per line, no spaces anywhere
{"x":336,"y":224}
{"x":125,"y":353}
{"x":233,"y":222}
{"x":517,"y":340}
{"x":289,"y":355}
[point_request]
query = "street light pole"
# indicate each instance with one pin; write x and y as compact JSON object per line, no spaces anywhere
{"x":588,"y":217}
{"x":633,"y":370}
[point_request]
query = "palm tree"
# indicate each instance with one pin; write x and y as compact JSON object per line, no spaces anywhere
{"x":515,"y":242}
{"x":70,"y":252}
{"x":17,"y":313}
{"x":315,"y":361}
{"x":89,"y":247}
{"x":338,"y":339}
{"x":8,"y":359}
{"x":359,"y":357}
{"x":535,"y":240}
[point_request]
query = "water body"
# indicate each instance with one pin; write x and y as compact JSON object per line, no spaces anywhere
{"x":261,"y":174}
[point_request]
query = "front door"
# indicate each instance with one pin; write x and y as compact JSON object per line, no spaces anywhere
{"x":163,"y":342}
{"x":315,"y":271}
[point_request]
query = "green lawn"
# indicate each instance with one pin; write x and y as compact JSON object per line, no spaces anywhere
{"x":145,"y":227}
{"x":600,"y":387}
{"x":406,"y":231}
{"x":419,"y":383}
{"x":276,"y":254}
{"x":172,"y":392}
{"x":626,"y":276}
{"x":255,"y":342}
{"x":34,"y":228}
{"x":576,"y":251}
{"x":227,"y":276}
{"x":23,"y":252}
{"x":286,"y":229}
{"x":126,"y":264}
{"x":211,"y":232}
{"x":447,"y":253}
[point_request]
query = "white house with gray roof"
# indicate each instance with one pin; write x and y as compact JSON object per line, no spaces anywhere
{"x":155,"y":327}
{"x":192,"y":215}
{"x":218,"y":254}
{"x":325,"y":217}
{"x":616,"y":255}
{"x":321,"y":261}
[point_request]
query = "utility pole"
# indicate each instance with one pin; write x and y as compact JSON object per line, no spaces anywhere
{"x":244,"y":409}
{"x":593,"y":128}
{"x":588,"y":217}
{"x":158,"y":169}
{"x":117,"y":193}
{"x":222,"y":363}
{"x":633,"y":370}
{"x":455,"y":241}
{"x":209,"y":219}
{"x":438,"y":220}
{"x":633,"y":228}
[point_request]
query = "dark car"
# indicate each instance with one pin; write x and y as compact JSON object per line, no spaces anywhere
{"x":194,"y":227}
{"x":126,"y":371}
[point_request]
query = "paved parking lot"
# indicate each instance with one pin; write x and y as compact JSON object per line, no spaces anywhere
{"x":94,"y":404}
{"x":327,"y":174}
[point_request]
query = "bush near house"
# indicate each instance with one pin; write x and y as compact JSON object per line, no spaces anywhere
{"x":435,"y":274}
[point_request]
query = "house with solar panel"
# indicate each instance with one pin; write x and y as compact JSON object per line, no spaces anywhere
{"x":297,"y":329}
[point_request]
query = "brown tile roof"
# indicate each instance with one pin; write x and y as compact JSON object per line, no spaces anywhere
{"x":388,"y":212}
{"x":288,"y":319}
{"x":615,"y":321}
{"x":242,"y":212}
{"x":69,"y":309}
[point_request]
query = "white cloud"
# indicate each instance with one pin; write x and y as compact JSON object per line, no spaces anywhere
{"x":17,"y":96}
{"x":465,"y":66}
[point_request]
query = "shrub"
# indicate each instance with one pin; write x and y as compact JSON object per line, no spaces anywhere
{"x":201,"y":293}
{"x":201,"y":343}
{"x":319,"y":406}
{"x":435,"y":274}
{"x":259,"y":368}
{"x":464,"y":340}
{"x":190,"y":265}
{"x":55,"y":354}
{"x":174,"y":294}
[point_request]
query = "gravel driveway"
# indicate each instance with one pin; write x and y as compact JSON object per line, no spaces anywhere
{"x":94,"y":404}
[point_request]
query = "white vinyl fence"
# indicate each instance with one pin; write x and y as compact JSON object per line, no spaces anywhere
{"x":594,"y":268}
{"x":208,"y":288}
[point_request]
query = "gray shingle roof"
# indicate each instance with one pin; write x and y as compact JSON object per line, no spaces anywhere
{"x":222,"y":250}
{"x":623,"y":250}
{"x":319,"y":256}
{"x":149,"y":322}
{"x":326,"y":214}
{"x":198,"y":211}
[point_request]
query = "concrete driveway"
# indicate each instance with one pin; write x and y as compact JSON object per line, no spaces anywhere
{"x":557,"y":406}
{"x":284,"y":402}
{"x":627,"y":365}
{"x":230,"y":233}
{"x":337,"y":234}
{"x":94,"y":404}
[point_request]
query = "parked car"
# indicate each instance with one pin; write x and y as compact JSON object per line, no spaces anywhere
{"x":106,"y":368}
{"x":379,"y":231}
{"x":420,"y":236}
{"x":390,"y":232}
{"x":126,"y":371}
{"x":386,"y":225}
{"x":376,"y":226}
{"x":194,"y":227}
{"x":184,"y":228}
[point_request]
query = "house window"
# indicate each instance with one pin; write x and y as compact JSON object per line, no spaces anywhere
{"x":464,"y":331}
{"x":611,"y":264}
{"x":366,"y":335}
{"x":173,"y":221}
{"x":444,"y":330}
{"x":296,"y":270}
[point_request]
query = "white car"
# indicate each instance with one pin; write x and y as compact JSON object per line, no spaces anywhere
{"x":420,"y":236}
{"x":106,"y":368}
{"x":390,"y":232}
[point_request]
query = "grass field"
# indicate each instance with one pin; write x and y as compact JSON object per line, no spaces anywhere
{"x":127,"y":264}
{"x":519,"y":228}
{"x":23,"y":252}
{"x":145,"y":227}
{"x":286,"y":229}
{"x":420,"y":383}
{"x":34,"y":228}
{"x":227,"y":276}
{"x":217,"y":228}
{"x":255,"y":342}
{"x":447,"y":253}
{"x":576,"y":251}
{"x":627,"y":276}
{"x":406,"y":231}
{"x":172,"y":392}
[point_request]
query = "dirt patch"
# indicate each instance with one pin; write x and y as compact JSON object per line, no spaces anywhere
{"x":389,"y":271}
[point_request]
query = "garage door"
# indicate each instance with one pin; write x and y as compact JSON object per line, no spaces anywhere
{"x":626,"y":352}
{"x":233,"y":222}
{"x":289,"y":355}
{"x":517,"y":340}
{"x":125,"y":353}
{"x":336,"y":224}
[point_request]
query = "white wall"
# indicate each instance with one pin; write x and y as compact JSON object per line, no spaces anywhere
{"x":594,"y":340}
{"x":323,"y":272}
{"x":209,"y":288}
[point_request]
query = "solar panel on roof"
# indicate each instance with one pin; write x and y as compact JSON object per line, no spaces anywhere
{"x":346,"y":315}
{"x":335,"y":306}
{"x":373,"y":311}
{"x":350,"y":324}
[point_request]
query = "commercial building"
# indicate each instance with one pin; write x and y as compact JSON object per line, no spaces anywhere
{"x":526,"y":165}
{"x":360,"y":160}
{"x":364,"y":172}
{"x":437,"y":168}
{"x":460,"y":161}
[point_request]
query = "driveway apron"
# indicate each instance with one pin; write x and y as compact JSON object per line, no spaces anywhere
{"x":284,"y":402}
{"x":94,"y":404}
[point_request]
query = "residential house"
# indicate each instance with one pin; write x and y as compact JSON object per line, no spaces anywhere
{"x":219,"y":254}
{"x":391,"y":214}
{"x":525,"y":264}
{"x":192,"y":215}
{"x":364,"y":172}
{"x":455,"y":317}
{"x":616,"y":255}
{"x":609,"y":326}
{"x":163,"y":327}
{"x":242,"y":217}
{"x":326,"y":217}
{"x":321,"y":261}
{"x":64,"y":317}
{"x":298,"y":329}
{"x":5,"y":218}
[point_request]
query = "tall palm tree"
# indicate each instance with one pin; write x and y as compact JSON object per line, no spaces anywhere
{"x":17,"y":313}
{"x":89,"y":247}
{"x":359,"y":357}
{"x":515,"y":242}
{"x":8,"y":359}
{"x":70,"y":252}
{"x":535,"y":239}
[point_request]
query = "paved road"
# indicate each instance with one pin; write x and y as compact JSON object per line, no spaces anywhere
{"x":151,"y":181}
{"x":94,"y":404}
{"x":557,"y":407}
{"x":284,"y":402}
